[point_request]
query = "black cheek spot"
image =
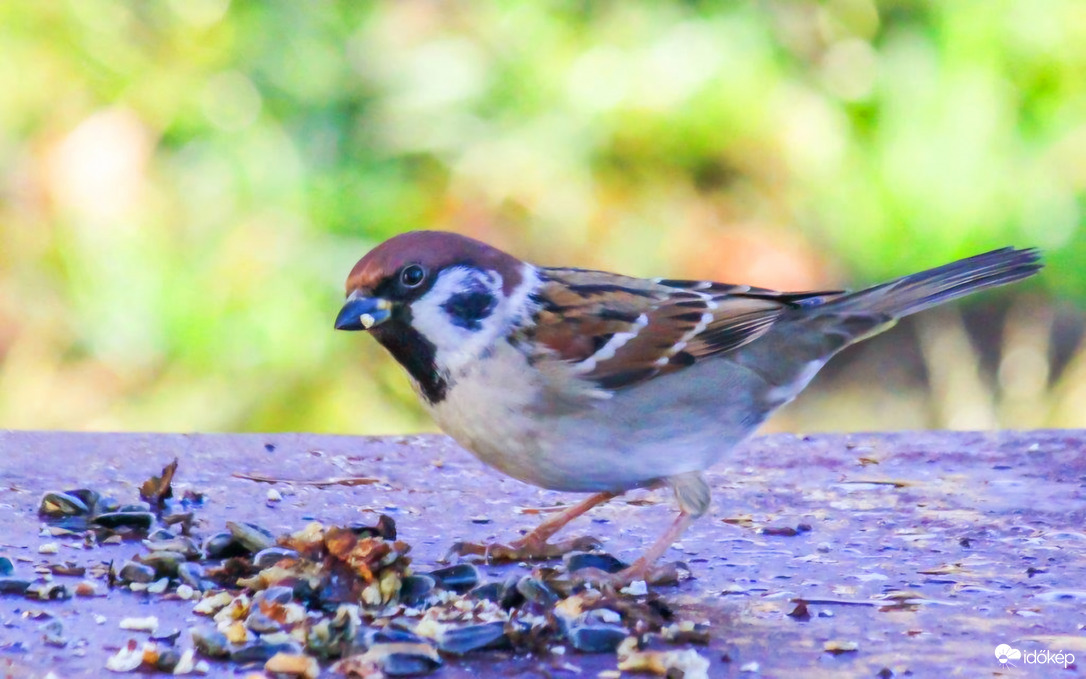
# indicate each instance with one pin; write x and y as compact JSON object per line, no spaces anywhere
{"x":468,"y":309}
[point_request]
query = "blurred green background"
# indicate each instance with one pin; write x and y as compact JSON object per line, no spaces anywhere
{"x":186,"y":183}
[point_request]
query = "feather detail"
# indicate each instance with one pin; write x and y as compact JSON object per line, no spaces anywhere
{"x":616,"y":331}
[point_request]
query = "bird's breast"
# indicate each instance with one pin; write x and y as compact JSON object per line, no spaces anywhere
{"x":488,"y":409}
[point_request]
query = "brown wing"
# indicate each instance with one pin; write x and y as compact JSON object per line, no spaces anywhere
{"x":616,"y":331}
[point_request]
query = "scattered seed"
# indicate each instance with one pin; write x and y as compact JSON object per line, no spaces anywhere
{"x":291,"y":601}
{"x":210,"y":642}
{"x":459,"y":578}
{"x":157,"y":489}
{"x":148,"y":624}
{"x":47,"y":591}
{"x":685,"y":663}
{"x":58,"y":504}
{"x":86,"y":588}
{"x":136,"y":573}
{"x":128,"y":659}
{"x":52,"y":634}
{"x":186,"y":664}
{"x":781,"y":531}
{"x":837,"y":647}
{"x":597,"y":638}
{"x":303,"y":666}
{"x":14,"y":585}
{"x":139,"y":520}
{"x":469,"y":638}
{"x":800,"y":612}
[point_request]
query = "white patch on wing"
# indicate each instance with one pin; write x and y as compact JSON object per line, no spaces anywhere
{"x":455,"y":345}
{"x":706,"y":319}
{"x":607,"y":351}
{"x":703,"y":323}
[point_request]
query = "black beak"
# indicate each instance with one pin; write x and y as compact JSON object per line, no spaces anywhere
{"x":363,"y":313}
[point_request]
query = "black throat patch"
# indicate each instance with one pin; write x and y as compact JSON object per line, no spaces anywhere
{"x":416,"y":354}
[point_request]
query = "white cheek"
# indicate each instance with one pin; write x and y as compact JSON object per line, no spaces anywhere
{"x":456,"y":345}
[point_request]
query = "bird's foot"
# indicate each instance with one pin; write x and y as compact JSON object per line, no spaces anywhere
{"x":528,"y":548}
{"x":655,"y":575}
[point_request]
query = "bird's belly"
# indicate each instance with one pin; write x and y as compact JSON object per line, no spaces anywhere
{"x":491,"y":409}
{"x":630,"y":440}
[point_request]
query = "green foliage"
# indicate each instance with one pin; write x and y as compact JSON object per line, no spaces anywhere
{"x":187,"y":182}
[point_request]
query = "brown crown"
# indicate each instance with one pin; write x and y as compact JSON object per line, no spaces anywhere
{"x":434,"y":250}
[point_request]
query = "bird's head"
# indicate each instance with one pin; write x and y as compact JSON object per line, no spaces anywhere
{"x":435,"y":300}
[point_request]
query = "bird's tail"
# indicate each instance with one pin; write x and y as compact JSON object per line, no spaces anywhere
{"x":819,"y":327}
{"x":916,"y":292}
{"x":853,"y":316}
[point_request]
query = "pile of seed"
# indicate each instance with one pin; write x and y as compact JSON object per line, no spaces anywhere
{"x":348,"y":596}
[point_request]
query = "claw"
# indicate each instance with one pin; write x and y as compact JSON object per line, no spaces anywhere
{"x":668,"y":574}
{"x":658,"y":576}
{"x":464,"y":549}
{"x":556,"y":550}
{"x":524,"y":549}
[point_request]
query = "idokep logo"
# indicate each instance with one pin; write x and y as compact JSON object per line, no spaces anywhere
{"x":1005,"y":654}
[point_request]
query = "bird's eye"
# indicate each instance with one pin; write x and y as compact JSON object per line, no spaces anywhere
{"x":412,"y":276}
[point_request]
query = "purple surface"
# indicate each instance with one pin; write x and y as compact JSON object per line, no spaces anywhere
{"x":949,"y":544}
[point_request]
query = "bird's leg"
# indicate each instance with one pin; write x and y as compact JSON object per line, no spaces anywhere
{"x":537,"y":539}
{"x":644,"y":568}
{"x":534,"y":545}
{"x":692,"y":494}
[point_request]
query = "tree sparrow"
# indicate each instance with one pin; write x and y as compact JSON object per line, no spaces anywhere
{"x":594,"y":382}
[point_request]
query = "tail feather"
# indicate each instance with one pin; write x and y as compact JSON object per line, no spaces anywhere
{"x":919,"y":291}
{"x":817,"y":328}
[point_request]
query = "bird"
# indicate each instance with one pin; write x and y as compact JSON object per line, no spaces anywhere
{"x":593,"y":382}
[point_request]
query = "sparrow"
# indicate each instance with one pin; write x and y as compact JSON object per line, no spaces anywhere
{"x":594,"y":382}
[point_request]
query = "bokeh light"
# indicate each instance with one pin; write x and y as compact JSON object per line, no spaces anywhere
{"x":184,"y":185}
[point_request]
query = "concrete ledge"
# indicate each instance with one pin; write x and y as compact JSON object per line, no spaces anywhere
{"x":927,"y":550}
